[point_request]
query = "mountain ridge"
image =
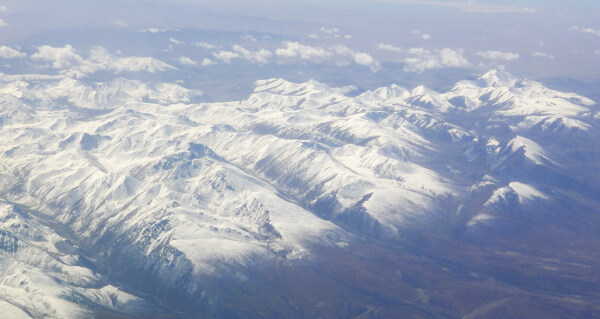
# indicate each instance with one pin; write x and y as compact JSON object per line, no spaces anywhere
{"x":177,"y":192}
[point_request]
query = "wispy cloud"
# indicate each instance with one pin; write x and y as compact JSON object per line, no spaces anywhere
{"x":328,"y":33}
{"x":100,"y":59}
{"x":249,"y":37}
{"x":69,"y":62}
{"x":585,"y":30}
{"x":360,"y":58}
{"x":422,"y":59}
{"x":538,"y":54}
{"x":294,"y":49}
{"x":498,"y":55}
{"x":258,"y":56}
{"x":423,"y":36}
{"x":118,"y":23}
{"x":60,"y":58}
{"x":159,"y":30}
{"x":175,"y":41}
{"x":205,"y":45}
{"x":339,"y":54}
{"x":389,"y":47}
{"x":187,"y":61}
{"x":225,"y":56}
{"x":207,"y":62}
{"x":3,"y":9}
{"x":10,"y":53}
{"x":469,"y":6}
{"x":2,"y":23}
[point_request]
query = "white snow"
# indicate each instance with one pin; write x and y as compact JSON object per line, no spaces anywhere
{"x":526,"y":192}
{"x":480,"y":219}
{"x":229,"y":183}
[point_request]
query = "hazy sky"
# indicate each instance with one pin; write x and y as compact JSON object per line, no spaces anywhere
{"x":533,"y":38}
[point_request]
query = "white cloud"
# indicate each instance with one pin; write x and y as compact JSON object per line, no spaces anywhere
{"x":422,"y":59}
{"x":260,"y":56}
{"x":3,"y":9}
{"x":498,"y":55}
{"x":585,"y":30}
{"x":2,"y":23}
{"x":340,"y":53}
{"x":424,"y":36}
{"x":453,"y":58}
{"x":207,"y":62}
{"x":10,"y":53}
{"x":359,"y":58}
{"x":542,"y":55}
{"x":157,"y":30}
{"x":119,"y":23}
{"x":61,"y":58}
{"x":295,"y":49}
{"x":72,"y":64}
{"x":388,"y":47}
{"x":249,"y":37}
{"x":100,"y":59}
{"x":329,"y":31}
{"x":470,"y":6}
{"x":187,"y":61}
{"x":225,"y":56}
{"x":175,"y":41}
{"x":205,"y":45}
{"x":238,"y":52}
{"x":362,"y":58}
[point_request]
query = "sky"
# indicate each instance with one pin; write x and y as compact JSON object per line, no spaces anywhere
{"x":413,"y":39}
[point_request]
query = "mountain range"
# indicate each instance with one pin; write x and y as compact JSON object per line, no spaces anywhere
{"x":123,"y":198}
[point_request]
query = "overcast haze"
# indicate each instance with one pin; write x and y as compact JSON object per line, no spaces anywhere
{"x":537,"y":39}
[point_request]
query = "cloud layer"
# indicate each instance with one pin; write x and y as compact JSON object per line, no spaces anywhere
{"x":421,"y":59}
{"x":10,"y":53}
{"x":293,"y":49}
{"x":340,"y":54}
{"x":498,"y":55}
{"x":71,"y":63}
{"x":389,"y":47}
{"x":60,"y":58}
{"x":470,"y":6}
{"x":538,"y":54}
{"x":585,"y":30}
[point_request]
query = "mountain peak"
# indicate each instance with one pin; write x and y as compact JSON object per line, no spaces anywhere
{"x":283,"y":87}
{"x":497,"y":78}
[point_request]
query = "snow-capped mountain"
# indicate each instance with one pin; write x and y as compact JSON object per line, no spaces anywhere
{"x":130,"y":197}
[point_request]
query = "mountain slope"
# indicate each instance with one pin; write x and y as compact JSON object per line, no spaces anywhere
{"x":174,"y":198}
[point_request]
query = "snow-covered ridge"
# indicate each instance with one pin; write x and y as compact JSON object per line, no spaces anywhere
{"x":174,"y":190}
{"x":34,"y":258}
